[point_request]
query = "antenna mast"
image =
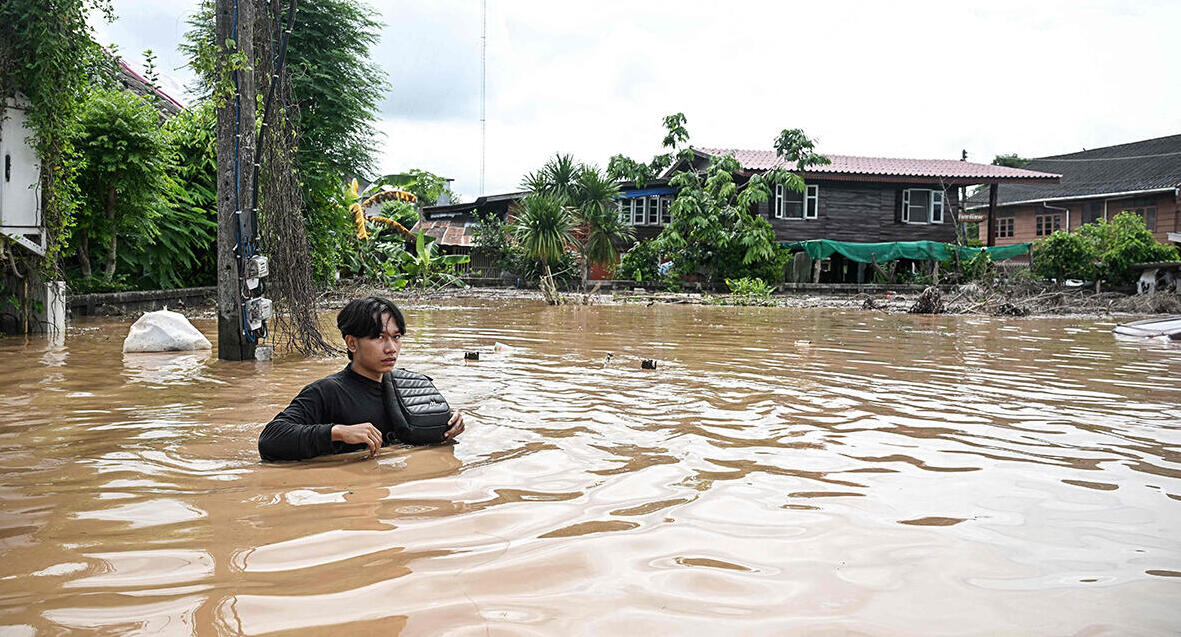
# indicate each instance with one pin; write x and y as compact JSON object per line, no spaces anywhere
{"x":483,"y":92}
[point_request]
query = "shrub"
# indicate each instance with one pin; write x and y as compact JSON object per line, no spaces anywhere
{"x":750,"y":287}
{"x":641,"y":263}
{"x":1065,"y":256}
{"x":1123,"y":241}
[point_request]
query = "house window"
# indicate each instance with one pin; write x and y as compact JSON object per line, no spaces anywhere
{"x":1047,"y":224}
{"x":790,"y":204}
{"x":1146,"y":208}
{"x":653,"y":210}
{"x":1092,"y":212}
{"x":1004,"y":228}
{"x":811,"y":201}
{"x":922,"y":206}
{"x":637,"y":208}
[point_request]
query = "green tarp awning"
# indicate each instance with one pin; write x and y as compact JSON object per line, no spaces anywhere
{"x":891,"y":250}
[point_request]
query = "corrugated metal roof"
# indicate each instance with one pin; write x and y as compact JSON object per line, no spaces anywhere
{"x":883,"y":166}
{"x":448,"y":232}
{"x":1151,"y":164}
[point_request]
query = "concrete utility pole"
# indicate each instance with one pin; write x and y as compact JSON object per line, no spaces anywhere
{"x":235,"y":162}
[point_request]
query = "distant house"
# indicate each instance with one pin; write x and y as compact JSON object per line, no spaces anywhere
{"x":453,"y":226}
{"x":869,"y":199}
{"x":1142,"y":177}
{"x":136,"y":83}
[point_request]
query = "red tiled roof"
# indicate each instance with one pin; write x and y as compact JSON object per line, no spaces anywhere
{"x":448,"y":232}
{"x":884,"y":166}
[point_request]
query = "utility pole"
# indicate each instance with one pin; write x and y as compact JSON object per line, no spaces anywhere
{"x":235,"y":161}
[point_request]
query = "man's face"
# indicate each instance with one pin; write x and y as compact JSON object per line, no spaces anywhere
{"x":373,"y":357}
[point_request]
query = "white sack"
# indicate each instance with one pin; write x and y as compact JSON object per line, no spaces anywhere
{"x":164,"y":331}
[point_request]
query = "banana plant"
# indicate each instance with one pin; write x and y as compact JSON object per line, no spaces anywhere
{"x":427,"y":268}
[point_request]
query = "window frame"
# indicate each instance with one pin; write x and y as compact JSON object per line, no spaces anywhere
{"x":1042,"y":223}
{"x":1005,"y":227}
{"x":933,"y":197}
{"x":652,"y":210}
{"x":779,"y":211}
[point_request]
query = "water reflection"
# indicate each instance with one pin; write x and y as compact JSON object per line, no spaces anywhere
{"x":781,"y":471}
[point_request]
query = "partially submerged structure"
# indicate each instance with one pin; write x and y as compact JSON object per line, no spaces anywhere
{"x":1142,"y":177}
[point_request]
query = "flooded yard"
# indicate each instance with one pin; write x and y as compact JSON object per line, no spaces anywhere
{"x":783,"y":470}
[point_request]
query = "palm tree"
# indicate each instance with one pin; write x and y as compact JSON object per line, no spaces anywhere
{"x":594,"y":197}
{"x":543,"y":228}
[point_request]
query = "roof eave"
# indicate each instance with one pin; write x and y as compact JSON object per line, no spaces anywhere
{"x":1107,"y":195}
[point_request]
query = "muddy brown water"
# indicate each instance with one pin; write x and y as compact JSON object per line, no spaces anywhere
{"x":781,"y":471}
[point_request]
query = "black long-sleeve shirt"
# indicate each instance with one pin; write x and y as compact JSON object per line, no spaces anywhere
{"x":304,"y":429}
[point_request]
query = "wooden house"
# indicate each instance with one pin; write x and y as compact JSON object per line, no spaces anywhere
{"x":869,"y":199}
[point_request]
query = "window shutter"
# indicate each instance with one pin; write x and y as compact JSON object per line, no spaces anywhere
{"x":898,"y":204}
{"x":905,"y":206}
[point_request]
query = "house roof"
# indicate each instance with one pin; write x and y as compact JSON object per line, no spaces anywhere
{"x":479,"y":203}
{"x":1137,"y":167}
{"x":136,"y":83}
{"x":885,"y":168}
{"x":450,"y":231}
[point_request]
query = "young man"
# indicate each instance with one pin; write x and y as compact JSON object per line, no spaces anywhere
{"x":344,"y":412}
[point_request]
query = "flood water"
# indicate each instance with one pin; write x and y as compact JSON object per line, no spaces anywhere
{"x":782,"y":471}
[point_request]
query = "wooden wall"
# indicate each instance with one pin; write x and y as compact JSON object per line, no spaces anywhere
{"x":1168,"y":215}
{"x":862,"y":212}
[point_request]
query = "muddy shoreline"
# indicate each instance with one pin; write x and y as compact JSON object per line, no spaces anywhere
{"x":1019,"y":301}
{"x":1023,"y":301}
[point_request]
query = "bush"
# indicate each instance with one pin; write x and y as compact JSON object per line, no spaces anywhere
{"x":641,"y":263}
{"x":1104,"y":249}
{"x":1123,"y":241}
{"x":494,"y":236}
{"x":749,"y":287}
{"x":1065,"y":256}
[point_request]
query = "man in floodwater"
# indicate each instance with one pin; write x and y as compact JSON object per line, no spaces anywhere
{"x":345,"y":412}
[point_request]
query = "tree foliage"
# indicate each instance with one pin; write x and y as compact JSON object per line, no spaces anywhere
{"x":1103,"y":249}
{"x":123,"y":174}
{"x":49,"y":57}
{"x":1011,"y":160}
{"x":424,"y":185}
{"x":544,"y":228}
{"x":335,"y":89}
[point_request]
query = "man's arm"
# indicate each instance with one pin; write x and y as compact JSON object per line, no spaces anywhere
{"x":298,"y":432}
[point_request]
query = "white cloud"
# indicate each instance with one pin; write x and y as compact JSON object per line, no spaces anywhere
{"x":903,"y":79}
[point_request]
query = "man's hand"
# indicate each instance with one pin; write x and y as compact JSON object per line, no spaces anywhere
{"x":363,"y":433}
{"x":456,"y":423}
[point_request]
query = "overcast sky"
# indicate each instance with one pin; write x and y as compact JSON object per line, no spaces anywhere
{"x":894,"y":79}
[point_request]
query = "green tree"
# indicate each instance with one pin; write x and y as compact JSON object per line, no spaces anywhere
{"x":423,"y":184}
{"x":595,"y":201}
{"x":713,"y":226}
{"x":1011,"y":160}
{"x":335,"y":88}
{"x":49,"y":57}
{"x":1122,"y":242}
{"x":676,"y":137}
{"x":544,"y":228}
{"x":590,"y":195}
{"x":123,"y":174}
{"x":1064,"y":255}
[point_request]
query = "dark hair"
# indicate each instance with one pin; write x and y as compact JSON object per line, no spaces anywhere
{"x":362,"y":318}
